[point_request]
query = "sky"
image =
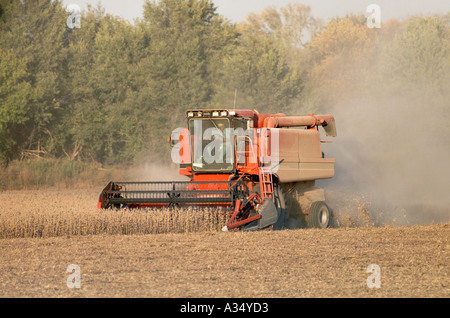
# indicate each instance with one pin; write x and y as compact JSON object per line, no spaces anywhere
{"x":237,"y":10}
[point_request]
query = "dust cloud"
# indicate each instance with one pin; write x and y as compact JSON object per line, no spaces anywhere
{"x":155,"y":171}
{"x":392,"y":159}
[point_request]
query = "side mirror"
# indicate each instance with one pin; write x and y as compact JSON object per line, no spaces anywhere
{"x":171,"y":141}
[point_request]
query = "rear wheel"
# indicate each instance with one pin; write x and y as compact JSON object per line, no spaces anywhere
{"x":319,"y":215}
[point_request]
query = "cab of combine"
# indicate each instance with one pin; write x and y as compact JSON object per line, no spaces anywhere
{"x":292,"y":144}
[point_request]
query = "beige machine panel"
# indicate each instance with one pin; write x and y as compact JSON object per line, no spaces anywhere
{"x":300,"y":151}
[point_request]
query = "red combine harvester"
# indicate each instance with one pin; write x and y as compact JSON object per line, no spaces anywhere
{"x":257,"y":168}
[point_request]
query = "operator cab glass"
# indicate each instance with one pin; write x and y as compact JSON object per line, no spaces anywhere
{"x":211,"y":147}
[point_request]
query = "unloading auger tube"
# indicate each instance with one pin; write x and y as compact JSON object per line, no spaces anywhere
{"x":248,"y":191}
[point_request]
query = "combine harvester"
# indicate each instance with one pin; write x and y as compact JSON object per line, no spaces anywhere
{"x":256,"y":168}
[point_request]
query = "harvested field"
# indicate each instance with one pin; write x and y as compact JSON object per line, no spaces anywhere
{"x":204,"y":262}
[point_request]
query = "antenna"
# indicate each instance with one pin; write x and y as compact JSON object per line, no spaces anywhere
{"x":235,"y":94}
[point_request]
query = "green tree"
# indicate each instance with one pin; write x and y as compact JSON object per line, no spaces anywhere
{"x":180,"y":44}
{"x":419,"y":55}
{"x":260,"y":75}
{"x":101,"y":54}
{"x":415,"y":66}
{"x":33,"y":31}
{"x":291,"y":27}
{"x":268,"y":67}
{"x":14,"y":106}
{"x":342,"y":54}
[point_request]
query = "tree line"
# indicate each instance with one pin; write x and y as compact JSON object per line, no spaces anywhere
{"x":111,"y":91}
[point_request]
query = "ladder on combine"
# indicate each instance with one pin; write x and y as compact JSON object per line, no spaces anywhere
{"x":264,"y":172}
{"x":263,"y":202}
{"x":247,"y":159}
{"x":266,"y":183}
